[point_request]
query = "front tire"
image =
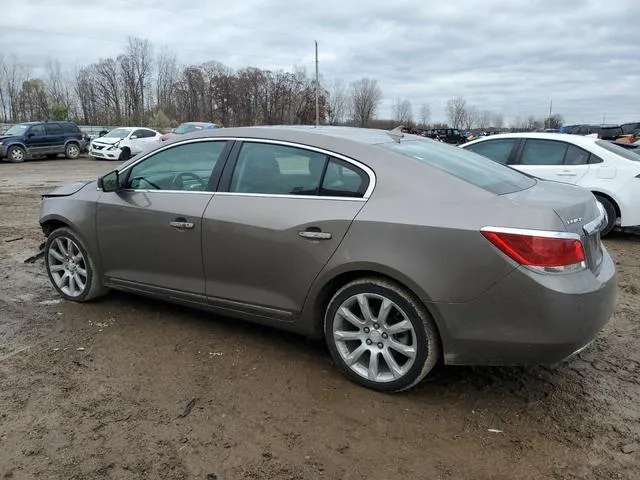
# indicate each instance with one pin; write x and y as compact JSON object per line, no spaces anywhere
{"x":16,"y":154}
{"x":380,"y":336}
{"x":71,"y":269}
{"x":611,"y":215}
{"x":125,"y":155}
{"x":72,"y":151}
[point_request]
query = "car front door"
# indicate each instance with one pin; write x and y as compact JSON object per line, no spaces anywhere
{"x":499,"y":150}
{"x":553,"y":160}
{"x":279,"y":214}
{"x":150,"y":232}
{"x":36,"y":141}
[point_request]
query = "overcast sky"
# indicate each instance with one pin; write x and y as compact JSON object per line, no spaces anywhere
{"x":507,"y":56}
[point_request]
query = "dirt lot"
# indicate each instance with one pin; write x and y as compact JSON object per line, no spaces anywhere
{"x":96,"y":390}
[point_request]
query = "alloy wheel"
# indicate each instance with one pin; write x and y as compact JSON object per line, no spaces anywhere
{"x":374,"y":337}
{"x":17,"y":155}
{"x":68,"y":266}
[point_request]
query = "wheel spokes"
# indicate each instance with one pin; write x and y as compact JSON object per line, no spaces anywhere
{"x":365,"y":308}
{"x":350,"y":317}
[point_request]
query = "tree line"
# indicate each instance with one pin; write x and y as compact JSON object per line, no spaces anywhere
{"x":146,"y":87}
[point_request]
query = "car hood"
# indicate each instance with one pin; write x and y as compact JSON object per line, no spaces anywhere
{"x":68,"y":189}
{"x":107,"y":141}
{"x":7,"y":137}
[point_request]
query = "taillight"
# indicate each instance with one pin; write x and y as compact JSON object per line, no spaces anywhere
{"x":541,"y":251}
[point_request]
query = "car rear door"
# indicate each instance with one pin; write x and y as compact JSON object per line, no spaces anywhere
{"x":553,"y":160}
{"x":150,"y":233}
{"x":279,"y":214}
{"x":500,"y":150}
{"x":55,"y":138}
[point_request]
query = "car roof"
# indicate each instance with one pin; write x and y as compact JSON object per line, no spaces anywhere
{"x":565,"y":137}
{"x":307,"y":133}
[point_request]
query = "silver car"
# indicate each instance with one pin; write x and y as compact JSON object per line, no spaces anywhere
{"x":400,"y":251}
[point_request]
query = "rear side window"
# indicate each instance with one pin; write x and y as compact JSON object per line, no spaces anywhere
{"x":497,"y":150}
{"x":468,"y":166}
{"x":342,"y":179}
{"x":543,"y":152}
{"x":623,"y":152}
{"x":576,"y":156}
{"x":69,"y":128}
{"x":53,"y":129}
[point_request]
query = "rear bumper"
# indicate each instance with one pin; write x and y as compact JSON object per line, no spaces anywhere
{"x":529,"y":318}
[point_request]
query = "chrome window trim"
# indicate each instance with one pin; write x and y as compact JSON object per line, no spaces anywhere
{"x":298,"y":197}
{"x":143,"y":190}
{"x":356,"y":163}
{"x":370,"y":173}
{"x":532,"y":232}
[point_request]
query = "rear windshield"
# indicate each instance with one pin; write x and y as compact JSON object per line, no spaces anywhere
{"x":623,"y":152}
{"x":471,"y":167}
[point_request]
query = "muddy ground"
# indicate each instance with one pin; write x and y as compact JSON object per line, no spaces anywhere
{"x":95,"y":391}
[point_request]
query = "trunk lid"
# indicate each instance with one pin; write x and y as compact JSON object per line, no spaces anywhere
{"x":576,"y":207}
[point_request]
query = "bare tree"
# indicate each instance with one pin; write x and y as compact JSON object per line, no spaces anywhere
{"x":166,"y":78}
{"x":471,"y":116}
{"x":497,"y":121}
{"x":402,"y":111}
{"x":365,"y":99}
{"x":337,"y":103}
{"x":425,"y":115}
{"x":456,"y":111}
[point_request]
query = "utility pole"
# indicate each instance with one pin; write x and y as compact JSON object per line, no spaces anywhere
{"x":604,"y":116}
{"x":550,"y":107}
{"x":317,"y":89}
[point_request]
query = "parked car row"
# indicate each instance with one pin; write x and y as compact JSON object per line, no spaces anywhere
{"x":604,"y":132}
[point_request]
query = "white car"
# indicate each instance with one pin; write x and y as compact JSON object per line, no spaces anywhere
{"x":122,"y":143}
{"x":611,"y":172}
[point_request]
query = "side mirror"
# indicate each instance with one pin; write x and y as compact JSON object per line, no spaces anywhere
{"x":133,"y":137}
{"x":109,"y":182}
{"x":31,"y":134}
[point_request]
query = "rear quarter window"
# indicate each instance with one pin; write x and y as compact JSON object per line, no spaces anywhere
{"x":468,"y":166}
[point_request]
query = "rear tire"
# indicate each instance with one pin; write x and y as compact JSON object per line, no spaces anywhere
{"x":72,"y":151}
{"x":612,"y":216}
{"x":72,"y":271}
{"x":16,"y":154}
{"x":380,"y":336}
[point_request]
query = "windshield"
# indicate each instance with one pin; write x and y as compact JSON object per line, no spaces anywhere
{"x":17,"y":130}
{"x":118,"y":133}
{"x":468,"y":166}
{"x":187,"y":128}
{"x":623,"y":152}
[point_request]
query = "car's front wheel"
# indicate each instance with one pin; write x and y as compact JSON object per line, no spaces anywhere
{"x":16,"y":154}
{"x":71,"y":270}
{"x":72,"y":151}
{"x":380,"y":335}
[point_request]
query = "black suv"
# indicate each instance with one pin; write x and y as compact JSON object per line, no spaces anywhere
{"x":604,"y":132}
{"x":447,"y":135}
{"x":34,"y":139}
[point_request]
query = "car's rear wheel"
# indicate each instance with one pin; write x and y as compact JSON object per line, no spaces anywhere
{"x":612,"y":216}
{"x":380,"y":336}
{"x":72,"y":151}
{"x":71,"y":270}
{"x":16,"y":154}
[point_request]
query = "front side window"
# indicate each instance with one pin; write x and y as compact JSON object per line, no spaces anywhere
{"x":37,"y":130}
{"x":277,"y":170}
{"x":185,"y":167}
{"x":497,"y":150}
{"x":53,"y":129}
{"x":543,"y":152}
{"x":138,"y":133}
{"x":468,"y":166}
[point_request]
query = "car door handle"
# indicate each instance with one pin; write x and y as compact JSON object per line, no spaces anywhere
{"x":182,"y":224}
{"x":566,"y":174}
